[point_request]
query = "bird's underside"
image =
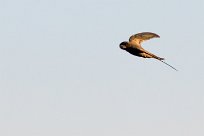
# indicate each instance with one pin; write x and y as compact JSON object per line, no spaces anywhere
{"x":143,"y":53}
{"x":134,"y":46}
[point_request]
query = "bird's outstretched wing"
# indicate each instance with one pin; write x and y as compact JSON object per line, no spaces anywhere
{"x":140,"y":37}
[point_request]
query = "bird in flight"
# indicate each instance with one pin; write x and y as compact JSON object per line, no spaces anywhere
{"x":134,"y":46}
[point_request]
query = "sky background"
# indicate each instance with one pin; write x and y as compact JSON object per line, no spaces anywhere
{"x":62,"y":72}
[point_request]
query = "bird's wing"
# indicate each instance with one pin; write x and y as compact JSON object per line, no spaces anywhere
{"x":140,"y":37}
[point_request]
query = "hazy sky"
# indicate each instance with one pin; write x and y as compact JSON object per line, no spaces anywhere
{"x":62,"y":72}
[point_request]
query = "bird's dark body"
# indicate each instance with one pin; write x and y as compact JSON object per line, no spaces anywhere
{"x":134,"y":51}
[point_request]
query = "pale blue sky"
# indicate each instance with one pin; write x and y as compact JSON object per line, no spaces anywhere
{"x":62,"y":72}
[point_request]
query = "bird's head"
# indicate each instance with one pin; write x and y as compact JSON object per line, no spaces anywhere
{"x":123,"y":45}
